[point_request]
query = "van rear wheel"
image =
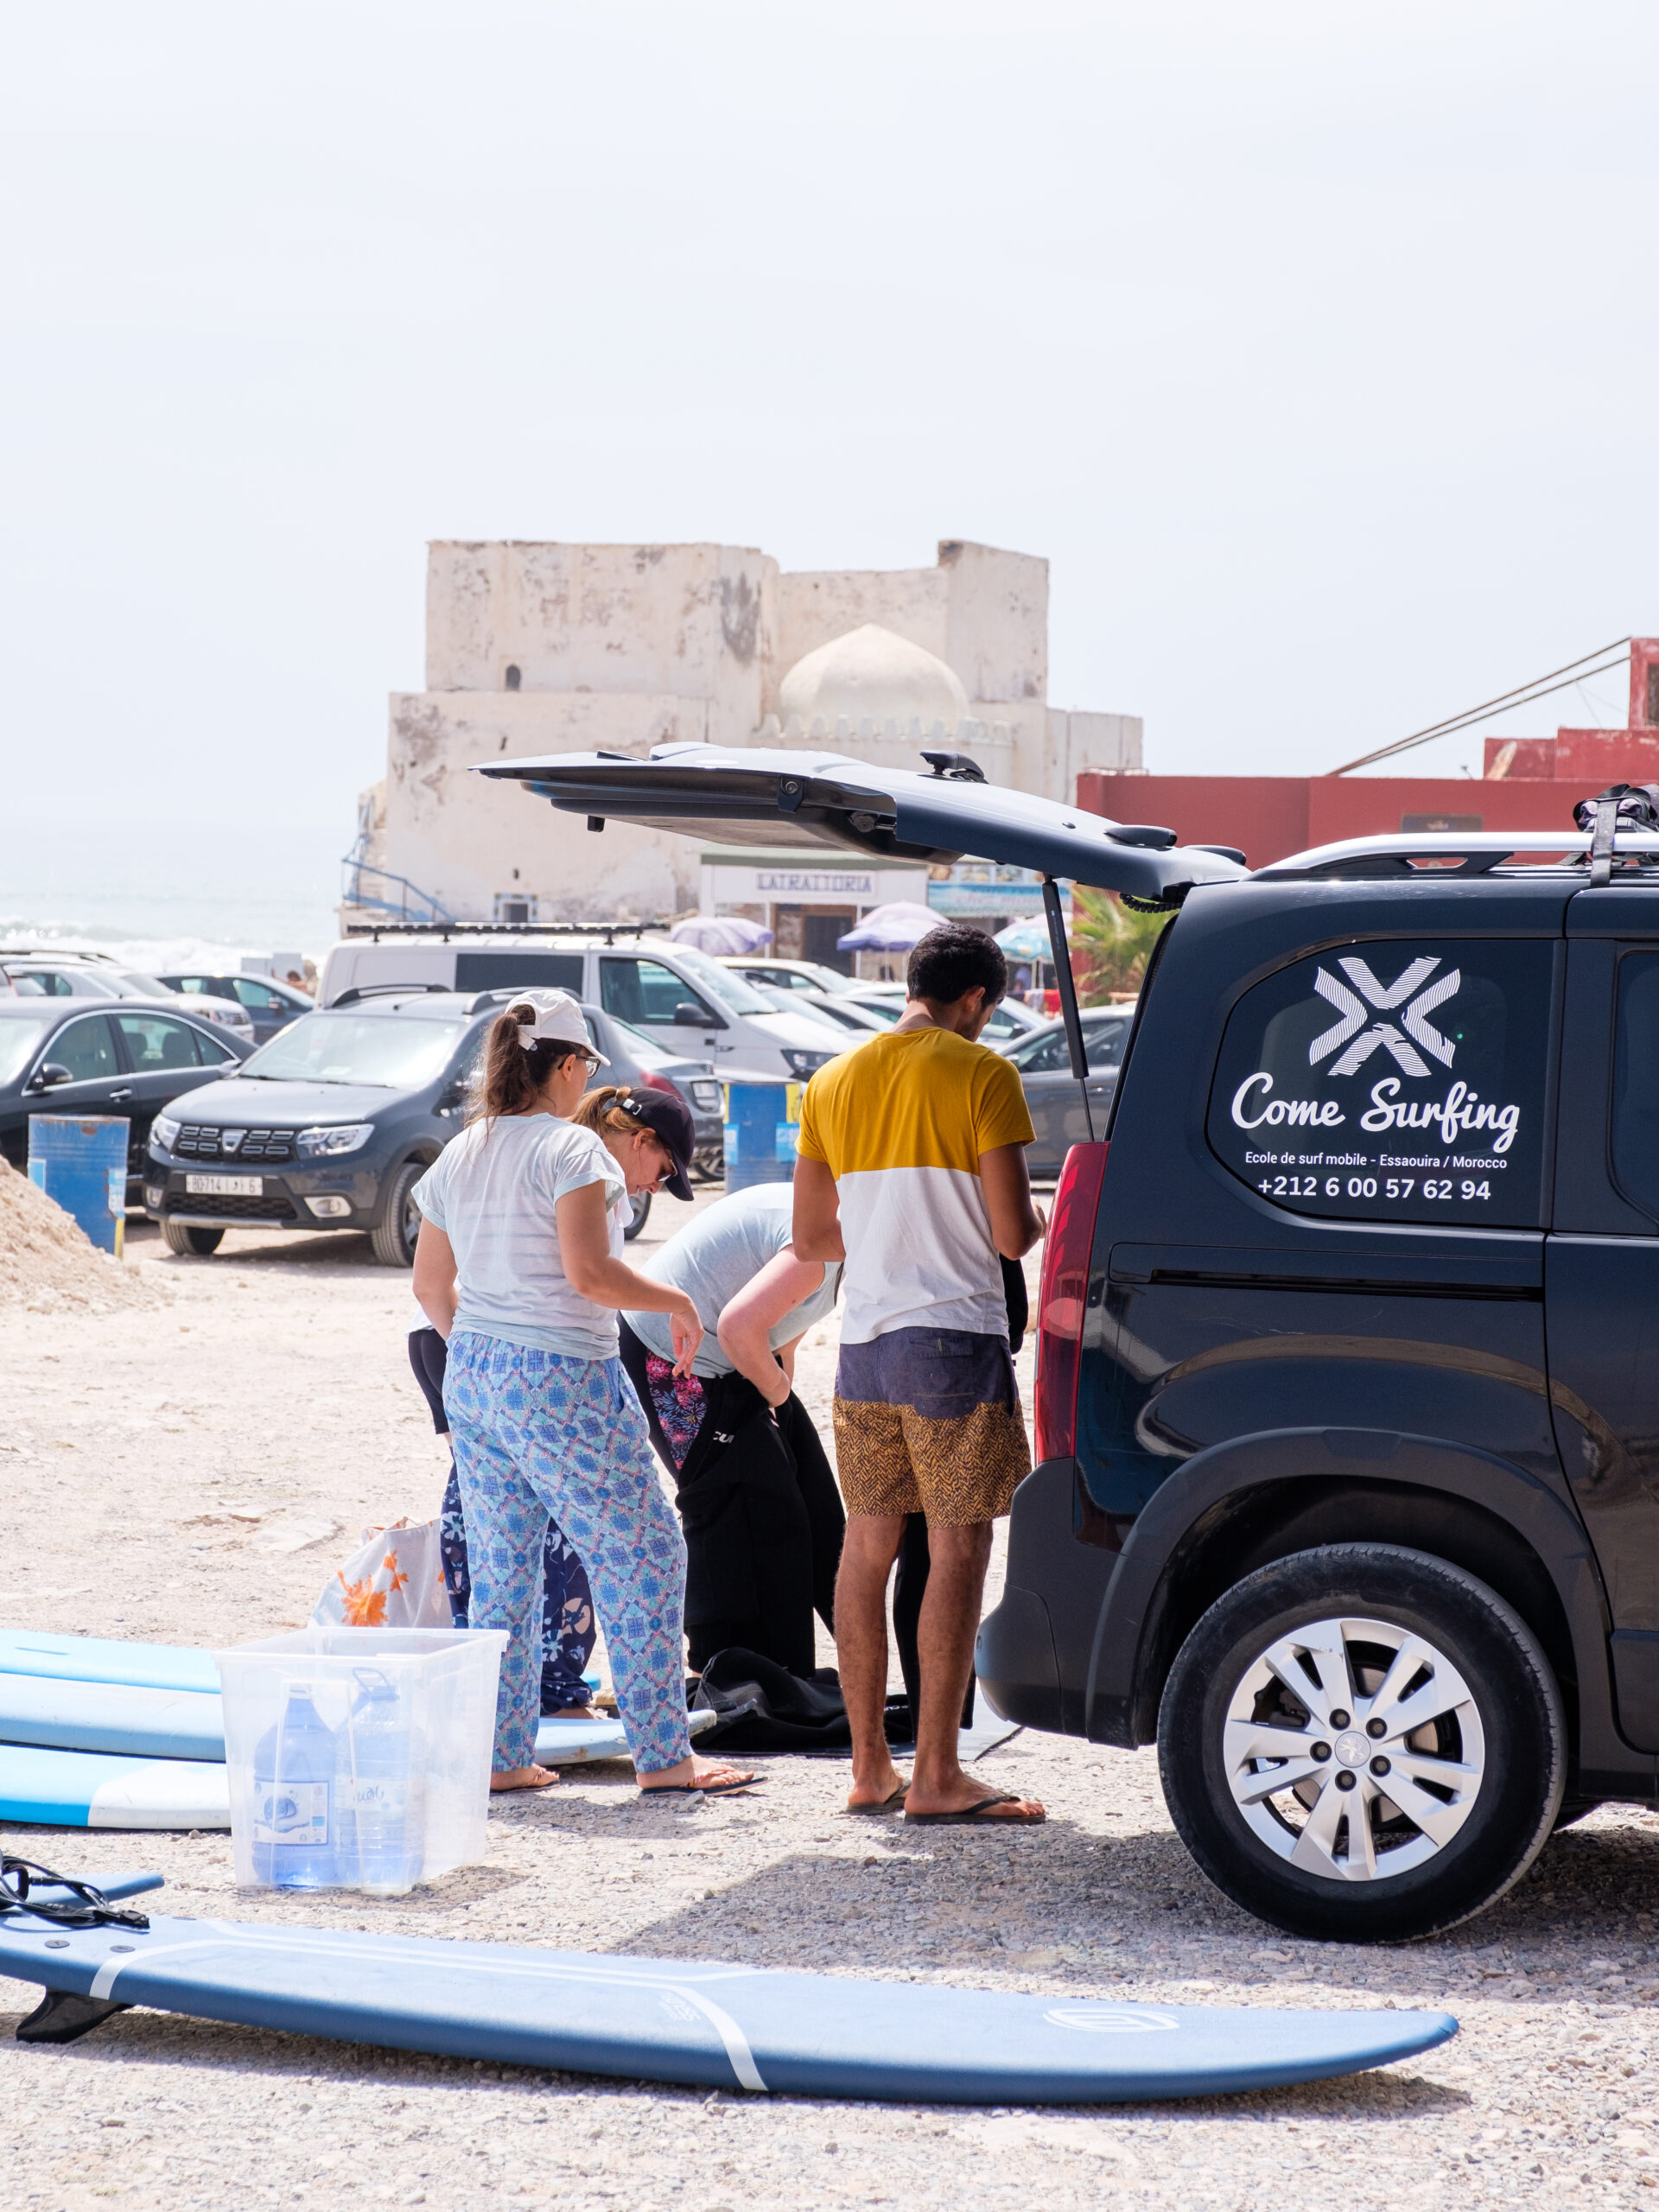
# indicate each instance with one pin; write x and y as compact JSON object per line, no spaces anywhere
{"x":191,"y":1243}
{"x":1362,"y":1742}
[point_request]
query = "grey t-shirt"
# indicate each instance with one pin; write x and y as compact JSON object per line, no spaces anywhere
{"x":492,"y":1191}
{"x":714,"y":1256}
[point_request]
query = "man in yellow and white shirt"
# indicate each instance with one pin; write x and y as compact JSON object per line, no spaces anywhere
{"x":912,"y":1168}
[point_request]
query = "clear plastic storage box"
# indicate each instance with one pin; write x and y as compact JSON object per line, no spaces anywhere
{"x":358,"y":1758}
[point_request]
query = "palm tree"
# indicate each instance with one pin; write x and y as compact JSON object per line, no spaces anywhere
{"x":1110,"y":942}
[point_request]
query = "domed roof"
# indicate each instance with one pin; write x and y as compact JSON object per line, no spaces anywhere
{"x":875,"y":672}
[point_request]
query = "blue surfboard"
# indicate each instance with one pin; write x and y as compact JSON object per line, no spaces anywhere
{"x":106,"y":1659}
{"x":127,"y":1720}
{"x":98,"y":1790}
{"x":690,"y":2020}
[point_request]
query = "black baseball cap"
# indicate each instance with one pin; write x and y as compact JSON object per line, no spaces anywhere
{"x":666,"y":1115}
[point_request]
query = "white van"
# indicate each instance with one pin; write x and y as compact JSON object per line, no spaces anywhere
{"x":678,"y":997}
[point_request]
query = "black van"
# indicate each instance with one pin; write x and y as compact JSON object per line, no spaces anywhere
{"x":1348,"y":1377}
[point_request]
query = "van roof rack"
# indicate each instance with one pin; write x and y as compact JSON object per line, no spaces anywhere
{"x":1459,"y":853}
{"x":444,"y":930}
{"x":55,"y":952}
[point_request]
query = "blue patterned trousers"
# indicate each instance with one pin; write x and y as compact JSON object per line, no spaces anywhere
{"x":535,"y":1437}
{"x":567,"y":1630}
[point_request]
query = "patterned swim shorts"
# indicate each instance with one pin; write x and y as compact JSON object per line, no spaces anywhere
{"x":927,"y":1420}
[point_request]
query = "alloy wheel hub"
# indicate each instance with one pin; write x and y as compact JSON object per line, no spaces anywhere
{"x":1353,"y":1749}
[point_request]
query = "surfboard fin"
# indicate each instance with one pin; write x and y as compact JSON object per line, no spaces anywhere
{"x":61,"y":2016}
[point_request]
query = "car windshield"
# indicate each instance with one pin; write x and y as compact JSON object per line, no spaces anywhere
{"x":18,"y":1039}
{"x":1045,"y":1053}
{"x":648,"y":1053}
{"x":394,"y":1051}
{"x":884,"y":1009}
{"x":133,"y":983}
{"x":724,"y":985}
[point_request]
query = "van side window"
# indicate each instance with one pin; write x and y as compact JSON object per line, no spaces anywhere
{"x":645,"y":991}
{"x":1401,"y":1082}
{"x":1636,"y":1082}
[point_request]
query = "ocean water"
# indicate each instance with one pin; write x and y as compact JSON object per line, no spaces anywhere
{"x":166,"y":901}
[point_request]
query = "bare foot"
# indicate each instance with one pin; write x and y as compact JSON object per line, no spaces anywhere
{"x":972,"y":1803}
{"x":886,"y":1790}
{"x":711,"y":1775}
{"x":523,"y":1778}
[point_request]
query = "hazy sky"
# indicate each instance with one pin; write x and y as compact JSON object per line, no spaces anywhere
{"x":1315,"y":344}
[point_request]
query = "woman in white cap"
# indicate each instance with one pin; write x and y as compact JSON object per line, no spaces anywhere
{"x":519,"y":1266}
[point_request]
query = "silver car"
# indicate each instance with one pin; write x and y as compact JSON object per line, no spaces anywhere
{"x":1051,"y":1088}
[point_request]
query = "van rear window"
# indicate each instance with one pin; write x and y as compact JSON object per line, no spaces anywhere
{"x":1401,"y":1082}
{"x":516,"y":971}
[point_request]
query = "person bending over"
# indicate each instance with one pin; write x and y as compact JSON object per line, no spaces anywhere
{"x":762,"y":1517}
{"x":912,"y":1168}
{"x":524,"y":1211}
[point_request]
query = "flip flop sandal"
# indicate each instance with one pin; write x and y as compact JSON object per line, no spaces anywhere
{"x":893,"y":1803}
{"x":975,"y":1817}
{"x":701,"y":1788}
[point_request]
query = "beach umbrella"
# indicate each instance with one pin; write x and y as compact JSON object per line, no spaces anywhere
{"x":720,"y":933}
{"x":1026,"y":939}
{"x":892,"y":928}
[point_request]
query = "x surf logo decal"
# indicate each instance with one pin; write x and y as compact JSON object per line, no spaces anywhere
{"x":1368,"y":996}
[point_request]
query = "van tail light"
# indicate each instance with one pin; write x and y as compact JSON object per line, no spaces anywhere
{"x":1063,"y":1299}
{"x":651,"y":1081}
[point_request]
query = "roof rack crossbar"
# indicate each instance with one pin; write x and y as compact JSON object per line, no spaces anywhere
{"x":658,"y":926}
{"x":1434,"y":852}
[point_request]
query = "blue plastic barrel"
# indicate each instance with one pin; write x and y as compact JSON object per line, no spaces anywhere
{"x":82,"y":1166}
{"x":763,"y":1127}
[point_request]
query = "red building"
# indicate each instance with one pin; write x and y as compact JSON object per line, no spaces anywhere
{"x":1528,"y":784}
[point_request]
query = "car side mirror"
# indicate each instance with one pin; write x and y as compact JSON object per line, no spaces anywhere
{"x":687,"y":1016}
{"x":453,"y":1096}
{"x":49,"y":1075}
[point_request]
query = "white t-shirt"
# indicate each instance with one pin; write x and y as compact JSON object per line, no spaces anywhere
{"x":492,"y":1191}
{"x":714,"y":1256}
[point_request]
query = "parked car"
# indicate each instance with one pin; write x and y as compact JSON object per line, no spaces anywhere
{"x":841,"y":1012}
{"x":100,"y":976}
{"x":268,"y":1005}
{"x":680,"y":999}
{"x":331,"y":1125}
{"x":786,"y":974}
{"x":1057,"y":1110}
{"x":1010,"y":1021}
{"x":1346,"y":1402}
{"x":63,"y":1055}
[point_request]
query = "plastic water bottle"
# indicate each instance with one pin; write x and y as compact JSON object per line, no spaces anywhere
{"x":381,"y":1786}
{"x":295,"y":1844}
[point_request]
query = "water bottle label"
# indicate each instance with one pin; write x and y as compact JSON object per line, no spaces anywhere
{"x":290,"y":1812}
{"x":386,"y":1798}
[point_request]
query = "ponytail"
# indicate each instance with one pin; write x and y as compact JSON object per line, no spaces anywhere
{"x":598,"y":1110}
{"x":512,"y":1078}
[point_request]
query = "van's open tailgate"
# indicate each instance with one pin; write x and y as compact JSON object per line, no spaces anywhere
{"x":773,"y":797}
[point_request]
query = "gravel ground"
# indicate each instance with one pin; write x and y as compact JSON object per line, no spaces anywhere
{"x":154,"y":1457}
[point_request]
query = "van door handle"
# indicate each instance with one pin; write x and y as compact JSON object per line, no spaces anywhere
{"x":120,"y":1097}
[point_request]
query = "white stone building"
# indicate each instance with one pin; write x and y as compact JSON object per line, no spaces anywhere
{"x":545,"y":648}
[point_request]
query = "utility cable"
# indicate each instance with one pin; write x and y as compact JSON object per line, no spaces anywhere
{"x":1541,"y":687}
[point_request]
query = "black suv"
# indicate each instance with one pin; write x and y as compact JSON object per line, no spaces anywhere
{"x":1348,"y":1373}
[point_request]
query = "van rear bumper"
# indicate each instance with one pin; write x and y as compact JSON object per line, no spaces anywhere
{"x":1033,"y":1652}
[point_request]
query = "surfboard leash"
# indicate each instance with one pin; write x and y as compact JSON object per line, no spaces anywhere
{"x":90,"y":1907}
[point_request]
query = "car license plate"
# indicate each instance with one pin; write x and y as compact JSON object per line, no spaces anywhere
{"x":225,"y":1186}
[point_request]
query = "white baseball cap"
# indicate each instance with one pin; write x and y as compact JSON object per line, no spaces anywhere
{"x":558,"y":1019}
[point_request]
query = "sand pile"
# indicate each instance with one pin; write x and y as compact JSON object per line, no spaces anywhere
{"x":48,"y":1265}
